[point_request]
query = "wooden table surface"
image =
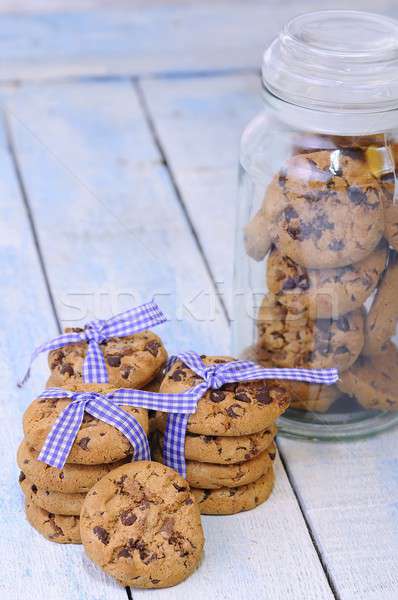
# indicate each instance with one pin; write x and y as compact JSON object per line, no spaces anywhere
{"x":119,"y":145}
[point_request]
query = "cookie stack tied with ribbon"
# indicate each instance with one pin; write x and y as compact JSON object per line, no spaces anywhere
{"x":323,"y":224}
{"x":224,"y":444}
{"x":82,"y":427}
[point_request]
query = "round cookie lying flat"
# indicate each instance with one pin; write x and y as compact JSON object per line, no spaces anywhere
{"x":224,"y":450}
{"x":131,"y":361}
{"x":72,"y":479}
{"x":213,"y":476}
{"x":294,"y":340}
{"x":372,"y":380}
{"x":96,"y":441}
{"x":234,"y":409}
{"x":56,"y":528}
{"x":325,"y":292}
{"x":325,"y":209}
{"x":230,"y":501}
{"x":141,"y":525}
{"x":382,"y":319}
{"x":53,"y":502}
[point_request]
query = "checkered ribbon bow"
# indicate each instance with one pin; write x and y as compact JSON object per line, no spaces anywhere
{"x":126,"y":323}
{"x":215,"y":376}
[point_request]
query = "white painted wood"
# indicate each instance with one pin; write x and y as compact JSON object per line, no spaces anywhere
{"x":163,"y":37}
{"x":199,"y":122}
{"x":350,"y":496}
{"x":258,"y":555}
{"x":112,"y":231}
{"x":32,"y":567}
{"x":74,"y":138}
{"x":349,"y":492}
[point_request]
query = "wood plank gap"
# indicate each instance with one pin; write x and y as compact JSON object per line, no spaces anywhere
{"x":114,"y":77}
{"x":159,"y":146}
{"x":29,"y":214}
{"x":129,"y":593}
{"x":308,"y":526}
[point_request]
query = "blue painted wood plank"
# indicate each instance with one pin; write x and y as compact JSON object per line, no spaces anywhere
{"x":155,"y":37}
{"x":32,"y":566}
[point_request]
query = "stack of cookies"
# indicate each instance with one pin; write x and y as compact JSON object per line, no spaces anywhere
{"x":229,"y":446}
{"x":53,"y":497}
{"x":324,"y":228}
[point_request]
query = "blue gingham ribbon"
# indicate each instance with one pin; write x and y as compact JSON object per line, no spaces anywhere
{"x":127,"y":323}
{"x":105,"y":407}
{"x":214,"y":377}
{"x":179,"y":406}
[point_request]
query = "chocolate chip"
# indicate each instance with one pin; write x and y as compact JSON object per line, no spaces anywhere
{"x":263,"y":397}
{"x":83,"y":443}
{"x":282,"y":179}
{"x":289,"y":284}
{"x":188,"y":501}
{"x":67,"y":369}
{"x":242,"y":397}
{"x":168,"y":527}
{"x":336,"y":245}
{"x":179,"y":488}
{"x":231,"y":411}
{"x":342,"y":350}
{"x":217,"y":396}
{"x":354,"y":153}
{"x":207,"y":438}
{"x":343,"y":324}
{"x":127,"y":518}
{"x":229,"y":387}
{"x":356,"y":195}
{"x":290,"y":213}
{"x":178,"y":375}
{"x":125,"y":372}
{"x":113,"y":360}
{"x":154,"y":581}
{"x":34,"y":488}
{"x":101,"y":534}
{"x":153,"y":347}
{"x":124,"y":552}
{"x":22,"y":476}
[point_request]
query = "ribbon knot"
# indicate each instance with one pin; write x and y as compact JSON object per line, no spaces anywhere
{"x":94,"y":331}
{"x":212,"y":376}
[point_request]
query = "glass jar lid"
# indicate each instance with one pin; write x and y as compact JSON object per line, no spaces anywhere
{"x":335,"y":60}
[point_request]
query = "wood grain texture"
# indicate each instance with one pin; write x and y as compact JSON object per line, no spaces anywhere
{"x":350,"y":495}
{"x":112,"y":230}
{"x":194,"y":118}
{"x":108,"y":219}
{"x":349,"y":492}
{"x":31,"y":566}
{"x":156,"y":39}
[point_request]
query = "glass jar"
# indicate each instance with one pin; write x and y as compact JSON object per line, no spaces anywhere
{"x":316,"y":278}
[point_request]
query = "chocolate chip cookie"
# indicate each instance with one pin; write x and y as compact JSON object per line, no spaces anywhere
{"x":224,"y":450}
{"x":131,"y":361}
{"x":56,"y":528}
{"x":313,"y":397}
{"x":229,"y":501}
{"x":71,"y":479}
{"x":382,"y":319}
{"x":53,"y":502}
{"x":257,"y":236}
{"x":373,"y":380}
{"x":325,"y":292}
{"x":96,"y":441}
{"x":234,"y":409}
{"x":215,"y":476}
{"x":295,"y":340}
{"x":325,"y":209}
{"x":150,"y":535}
